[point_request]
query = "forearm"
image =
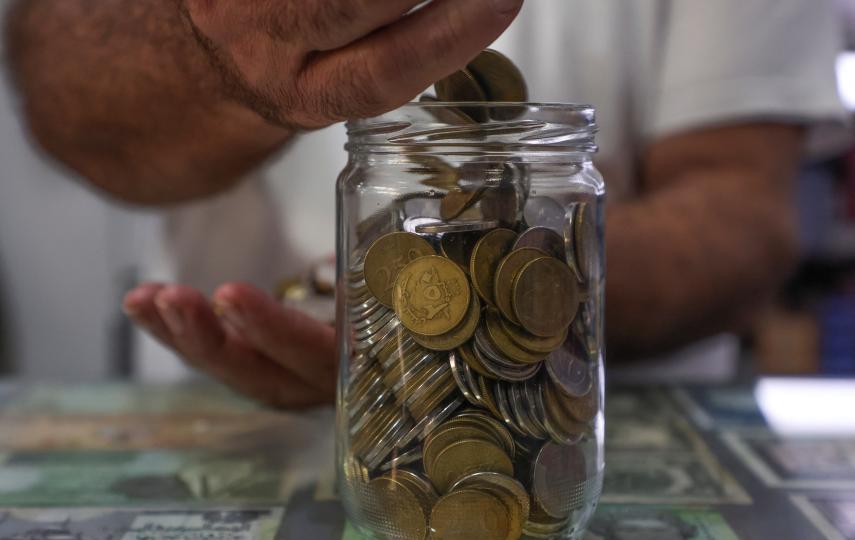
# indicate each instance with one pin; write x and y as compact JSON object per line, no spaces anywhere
{"x":122,"y":93}
{"x":695,"y":258}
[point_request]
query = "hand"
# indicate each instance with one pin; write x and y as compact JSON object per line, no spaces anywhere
{"x":280,"y":357}
{"x":311,"y":63}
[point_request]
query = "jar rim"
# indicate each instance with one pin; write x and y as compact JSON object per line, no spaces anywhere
{"x":526,"y":126}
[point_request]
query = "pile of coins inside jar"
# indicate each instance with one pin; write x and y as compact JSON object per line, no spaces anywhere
{"x":473,"y":383}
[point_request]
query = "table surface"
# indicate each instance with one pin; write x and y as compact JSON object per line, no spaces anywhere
{"x":125,"y":462}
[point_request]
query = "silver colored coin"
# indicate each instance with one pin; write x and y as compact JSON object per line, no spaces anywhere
{"x":457,"y":227}
{"x":422,"y":362}
{"x":413,"y":224}
{"x":501,"y":398}
{"x":371,"y":319}
{"x":374,"y":327}
{"x":405,"y":347}
{"x":457,"y":372}
{"x":518,"y":409}
{"x":386,"y":444}
{"x":370,"y":342}
{"x":430,"y":422}
{"x":364,"y":410}
{"x":569,"y":372}
{"x":527,"y":392}
{"x":360,"y":311}
{"x":544,"y":239}
{"x":544,"y":212}
{"x":391,"y":331}
{"x":442,"y":370}
{"x":559,"y":477}
{"x":402,"y":460}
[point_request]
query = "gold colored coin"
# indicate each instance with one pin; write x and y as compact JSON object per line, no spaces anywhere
{"x":458,"y":201}
{"x":501,"y":81}
{"x":583,"y":409}
{"x":531,"y":342}
{"x":458,"y":247}
{"x":545,"y":297}
{"x":446,"y":115}
{"x":447,"y":435}
{"x":457,"y":337}
{"x":506,"y":345}
{"x":511,"y":491}
{"x":470,"y":513}
{"x":585,"y":234}
{"x":431,"y":296}
{"x":395,"y":510}
{"x":465,"y":457}
{"x":507,"y":270}
{"x":440,"y":174}
{"x":462,"y":86}
{"x":558,"y":415}
{"x":491,"y":249}
{"x":387,"y":257}
{"x":466,"y":353}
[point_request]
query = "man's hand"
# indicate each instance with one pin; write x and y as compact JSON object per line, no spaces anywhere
{"x":310,"y":63}
{"x":245,"y":339}
{"x":165,"y":101}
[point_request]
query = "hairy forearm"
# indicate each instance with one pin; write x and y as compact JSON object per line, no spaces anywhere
{"x":695,"y":258}
{"x":122,"y":93}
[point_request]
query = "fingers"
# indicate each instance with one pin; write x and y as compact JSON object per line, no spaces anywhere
{"x":183,"y":319}
{"x":299,"y":343}
{"x":329,"y":24}
{"x":387,"y":68}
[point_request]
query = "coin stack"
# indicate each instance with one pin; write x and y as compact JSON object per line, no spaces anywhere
{"x":473,"y":384}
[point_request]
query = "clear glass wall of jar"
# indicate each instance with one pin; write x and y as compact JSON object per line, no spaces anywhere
{"x":470,"y":319}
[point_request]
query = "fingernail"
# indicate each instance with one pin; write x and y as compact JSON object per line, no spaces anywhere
{"x":230,"y":315}
{"x":129,"y":310}
{"x":171,"y":316}
{"x":506,"y":6}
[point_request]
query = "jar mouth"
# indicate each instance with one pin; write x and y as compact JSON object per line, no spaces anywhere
{"x":461,"y":127}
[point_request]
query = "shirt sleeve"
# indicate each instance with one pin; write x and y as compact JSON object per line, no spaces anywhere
{"x":727,"y":61}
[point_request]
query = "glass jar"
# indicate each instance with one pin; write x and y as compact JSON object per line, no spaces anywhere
{"x":470,"y":319}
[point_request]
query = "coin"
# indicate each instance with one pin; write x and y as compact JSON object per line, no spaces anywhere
{"x":458,"y":201}
{"x":470,"y":513}
{"x":395,"y":511}
{"x":491,"y":249}
{"x":446,"y":115}
{"x":502,"y":203}
{"x":544,"y":212}
{"x":449,"y":434}
{"x":585,"y":231}
{"x":531,"y":342}
{"x":459,"y":335}
{"x":505,"y":484}
{"x":558,"y":479}
{"x":431,"y":296}
{"x":462,"y":86}
{"x":402,"y":460}
{"x":506,"y":272}
{"x":545,"y":240}
{"x":469,"y":357}
{"x":430,"y":422}
{"x":456,"y":227}
{"x":465,"y":457}
{"x":505,"y":344}
{"x":559,"y":418}
{"x":569,"y":372}
{"x":585,"y":408}
{"x":545,"y":296}
{"x":458,"y":247}
{"x":501,"y":81}
{"x":387,"y":257}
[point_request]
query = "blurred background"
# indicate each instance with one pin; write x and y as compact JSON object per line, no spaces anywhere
{"x":67,"y":256}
